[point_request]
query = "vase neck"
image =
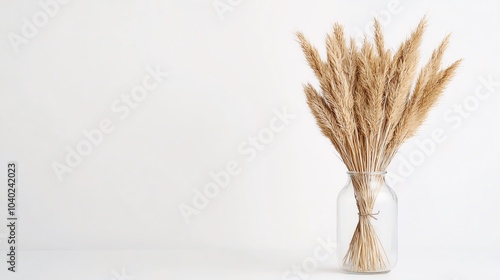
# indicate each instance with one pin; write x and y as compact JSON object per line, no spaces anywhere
{"x":367,"y":180}
{"x":366,"y":174}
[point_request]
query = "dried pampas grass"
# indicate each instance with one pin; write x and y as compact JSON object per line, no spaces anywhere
{"x":369,"y":102}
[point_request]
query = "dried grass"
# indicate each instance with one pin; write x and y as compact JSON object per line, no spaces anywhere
{"x":367,"y":108}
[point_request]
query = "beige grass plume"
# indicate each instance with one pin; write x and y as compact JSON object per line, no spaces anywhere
{"x":369,"y":102}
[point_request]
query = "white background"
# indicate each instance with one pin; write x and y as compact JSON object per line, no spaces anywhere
{"x":116,"y":216}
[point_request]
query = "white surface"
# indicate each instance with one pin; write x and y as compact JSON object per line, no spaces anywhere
{"x":226,"y":80}
{"x":223,"y":264}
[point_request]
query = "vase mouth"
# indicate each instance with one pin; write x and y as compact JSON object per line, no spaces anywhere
{"x":366,"y":172}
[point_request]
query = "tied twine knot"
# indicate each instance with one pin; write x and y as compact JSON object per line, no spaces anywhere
{"x":372,"y":215}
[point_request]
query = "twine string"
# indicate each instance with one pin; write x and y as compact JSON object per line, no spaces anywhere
{"x":372,"y":215}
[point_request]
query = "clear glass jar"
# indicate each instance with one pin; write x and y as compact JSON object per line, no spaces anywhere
{"x":367,"y":224}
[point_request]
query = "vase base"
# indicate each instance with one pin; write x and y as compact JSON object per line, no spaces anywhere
{"x":365,"y":272}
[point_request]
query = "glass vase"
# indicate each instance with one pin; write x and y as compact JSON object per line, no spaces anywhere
{"x":367,"y":218}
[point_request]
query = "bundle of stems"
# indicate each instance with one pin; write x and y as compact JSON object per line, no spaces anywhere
{"x":370,"y":101}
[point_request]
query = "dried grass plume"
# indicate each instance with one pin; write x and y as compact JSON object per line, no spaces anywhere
{"x":369,"y":101}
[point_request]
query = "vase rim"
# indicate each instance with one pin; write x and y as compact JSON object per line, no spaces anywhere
{"x":366,"y":172}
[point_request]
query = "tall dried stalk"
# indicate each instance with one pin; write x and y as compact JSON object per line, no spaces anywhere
{"x":370,"y":101}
